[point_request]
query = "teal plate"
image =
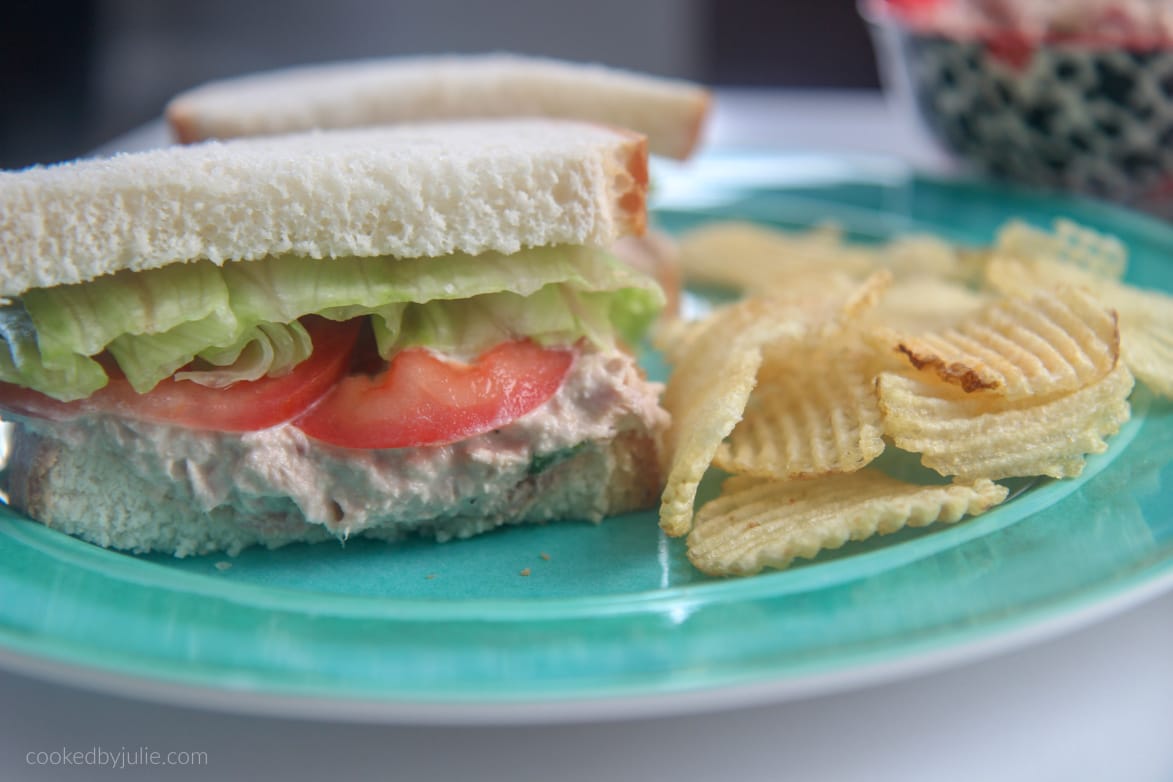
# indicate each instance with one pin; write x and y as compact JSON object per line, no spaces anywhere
{"x":611,"y":620}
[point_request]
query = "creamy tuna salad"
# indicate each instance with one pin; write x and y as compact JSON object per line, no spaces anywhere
{"x":280,"y":482}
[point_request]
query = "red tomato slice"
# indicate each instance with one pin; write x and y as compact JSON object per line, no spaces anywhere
{"x":242,"y":407}
{"x":424,"y":399}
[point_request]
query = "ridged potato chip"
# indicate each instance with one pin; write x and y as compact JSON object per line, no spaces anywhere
{"x":1053,"y":342}
{"x":1146,"y":340}
{"x":794,"y":391}
{"x":1146,"y":316}
{"x":706,"y":395}
{"x":760,"y":523}
{"x":924,"y":257}
{"x":980,"y":435}
{"x":710,"y":385}
{"x":912,"y":306}
{"x":1070,"y":244}
{"x":812,"y":304}
{"x":674,"y":337}
{"x":751,"y":257}
{"x":814,"y":412}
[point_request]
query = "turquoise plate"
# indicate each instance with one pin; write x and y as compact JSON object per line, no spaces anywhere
{"x":611,"y":620}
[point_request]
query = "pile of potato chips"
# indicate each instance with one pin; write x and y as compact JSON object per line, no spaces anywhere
{"x":1007,"y":361}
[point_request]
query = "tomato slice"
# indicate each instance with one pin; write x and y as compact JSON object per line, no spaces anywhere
{"x":425,"y":399}
{"x":241,"y":407}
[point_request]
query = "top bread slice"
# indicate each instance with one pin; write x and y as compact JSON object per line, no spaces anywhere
{"x":388,"y":91}
{"x":420,"y":190}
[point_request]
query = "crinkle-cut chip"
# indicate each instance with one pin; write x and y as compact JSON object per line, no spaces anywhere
{"x":760,"y":523}
{"x":717,"y":368}
{"x":865,"y":297}
{"x":924,"y":257}
{"x":811,"y":302}
{"x":1147,"y":347}
{"x":1070,"y":244}
{"x":1145,"y":315}
{"x":913,"y":306}
{"x":673,"y":337}
{"x":1053,"y":342}
{"x":757,"y":320}
{"x":826,"y":311}
{"x":749,"y":256}
{"x":973,"y":436}
{"x":827,"y":300}
{"x":706,"y":395}
{"x":813,"y":412}
{"x":813,"y":308}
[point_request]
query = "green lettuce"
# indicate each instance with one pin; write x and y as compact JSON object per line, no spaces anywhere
{"x":239,"y":321}
{"x":266,"y":349}
{"x":21,"y":361}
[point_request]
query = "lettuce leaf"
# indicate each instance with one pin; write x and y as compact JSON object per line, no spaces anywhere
{"x":238,"y":321}
{"x":84,"y":319}
{"x":21,"y":361}
{"x":554,"y":315}
{"x":266,"y":349}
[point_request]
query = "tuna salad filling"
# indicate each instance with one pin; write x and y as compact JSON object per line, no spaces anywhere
{"x":279,"y":485}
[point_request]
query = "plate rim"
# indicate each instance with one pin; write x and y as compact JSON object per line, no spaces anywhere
{"x":939,"y":654}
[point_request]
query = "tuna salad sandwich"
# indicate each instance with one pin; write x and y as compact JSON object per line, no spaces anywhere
{"x":413,"y":329}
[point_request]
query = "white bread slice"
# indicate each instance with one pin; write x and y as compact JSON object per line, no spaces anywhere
{"x":409,"y":191}
{"x":669,"y":112}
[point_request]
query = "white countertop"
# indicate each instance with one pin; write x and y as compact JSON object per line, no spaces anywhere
{"x":1093,"y":704}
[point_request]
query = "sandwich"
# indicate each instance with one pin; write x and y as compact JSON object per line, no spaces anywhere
{"x":670,"y":112}
{"x":378,"y":332}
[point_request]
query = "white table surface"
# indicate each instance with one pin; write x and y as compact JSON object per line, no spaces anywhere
{"x":1093,"y":704}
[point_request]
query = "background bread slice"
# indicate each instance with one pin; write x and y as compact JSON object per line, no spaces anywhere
{"x":410,"y":191}
{"x":100,"y":498}
{"x":375,"y":92}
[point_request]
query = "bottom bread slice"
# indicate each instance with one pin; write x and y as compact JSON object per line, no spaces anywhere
{"x":589,"y":452}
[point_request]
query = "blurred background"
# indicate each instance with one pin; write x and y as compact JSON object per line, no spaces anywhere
{"x":76,"y":73}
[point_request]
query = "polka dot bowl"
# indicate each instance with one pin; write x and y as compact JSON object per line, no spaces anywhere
{"x":1090,"y":116}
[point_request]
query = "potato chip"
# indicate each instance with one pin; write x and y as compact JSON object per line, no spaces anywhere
{"x":1051,"y":343}
{"x":825,"y":310}
{"x":674,"y":337}
{"x":1071,"y":244}
{"x":760,"y":523}
{"x":751,"y":257}
{"x":710,"y":384}
{"x":912,"y":306}
{"x":1146,"y":316}
{"x":924,"y":257}
{"x":1146,"y":340}
{"x":809,"y":301}
{"x":814,"y":412}
{"x":794,"y":390}
{"x":980,"y":435}
{"x":812,"y":307}
{"x":706,"y":395}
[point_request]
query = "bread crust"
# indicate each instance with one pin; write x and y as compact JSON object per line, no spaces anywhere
{"x":670,"y":112}
{"x":413,"y":191}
